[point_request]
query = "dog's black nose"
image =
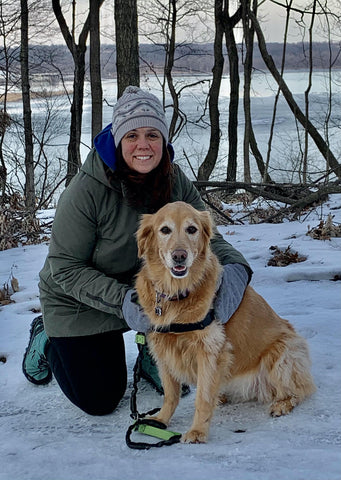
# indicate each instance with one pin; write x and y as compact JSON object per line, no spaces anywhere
{"x":179,"y":256}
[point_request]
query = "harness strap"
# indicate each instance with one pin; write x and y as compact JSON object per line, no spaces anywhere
{"x":186,"y":327}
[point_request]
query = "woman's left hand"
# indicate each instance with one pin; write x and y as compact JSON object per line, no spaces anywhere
{"x":231,"y":291}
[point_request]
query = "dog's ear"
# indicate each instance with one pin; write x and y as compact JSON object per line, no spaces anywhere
{"x":144,"y":234}
{"x":207,"y":225}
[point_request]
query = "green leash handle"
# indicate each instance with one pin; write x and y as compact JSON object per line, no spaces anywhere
{"x":152,"y":428}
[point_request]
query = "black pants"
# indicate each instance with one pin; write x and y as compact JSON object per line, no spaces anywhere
{"x":90,"y":370}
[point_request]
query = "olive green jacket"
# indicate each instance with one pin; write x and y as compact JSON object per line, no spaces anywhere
{"x":92,"y":257}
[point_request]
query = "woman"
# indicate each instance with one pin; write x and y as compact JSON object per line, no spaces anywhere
{"x":87,"y":282}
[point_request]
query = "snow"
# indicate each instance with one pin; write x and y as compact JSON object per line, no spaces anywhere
{"x":44,"y":437}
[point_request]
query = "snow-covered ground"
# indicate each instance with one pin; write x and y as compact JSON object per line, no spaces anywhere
{"x":44,"y":437}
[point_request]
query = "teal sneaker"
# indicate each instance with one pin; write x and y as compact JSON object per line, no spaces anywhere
{"x":35,"y":365}
{"x":149,"y":371}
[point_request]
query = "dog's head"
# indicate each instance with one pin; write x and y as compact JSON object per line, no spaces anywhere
{"x":177,"y":237}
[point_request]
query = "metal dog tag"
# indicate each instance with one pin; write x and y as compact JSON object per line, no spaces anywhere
{"x":158,"y":311}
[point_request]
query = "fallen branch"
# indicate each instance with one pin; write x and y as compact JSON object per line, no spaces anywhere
{"x":296,"y":195}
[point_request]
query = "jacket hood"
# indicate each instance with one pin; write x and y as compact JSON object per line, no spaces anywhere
{"x":105,"y":147}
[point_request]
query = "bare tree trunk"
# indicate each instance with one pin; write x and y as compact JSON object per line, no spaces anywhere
{"x":330,"y":92}
{"x":306,"y":96}
{"x":274,"y":113}
{"x":169,"y":14}
{"x":27,"y":113}
{"x":78,"y":55}
{"x":95,"y":69}
{"x":250,"y":142}
{"x":314,"y":134}
{"x":258,"y":157}
{"x":248,"y":36}
{"x":74,"y":156}
{"x":229,"y":24}
{"x":209,"y":163}
{"x":5,"y":119}
{"x":127,"y":48}
{"x":169,"y":67}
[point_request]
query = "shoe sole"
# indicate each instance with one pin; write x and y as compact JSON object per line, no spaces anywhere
{"x":48,"y":378}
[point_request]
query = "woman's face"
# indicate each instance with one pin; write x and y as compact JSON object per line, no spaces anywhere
{"x":142,"y":149}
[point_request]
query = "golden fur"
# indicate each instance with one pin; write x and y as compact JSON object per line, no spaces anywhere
{"x":256,"y":355}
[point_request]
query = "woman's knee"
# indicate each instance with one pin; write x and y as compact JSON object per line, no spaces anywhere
{"x":93,"y":405}
{"x":95,"y":396}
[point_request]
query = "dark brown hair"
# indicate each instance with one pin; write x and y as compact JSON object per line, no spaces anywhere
{"x":151,"y":190}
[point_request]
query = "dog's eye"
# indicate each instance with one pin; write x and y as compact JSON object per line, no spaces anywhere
{"x":191,"y":229}
{"x":165,"y":230}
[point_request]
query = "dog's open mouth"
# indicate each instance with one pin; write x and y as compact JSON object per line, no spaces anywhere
{"x":179,"y":271}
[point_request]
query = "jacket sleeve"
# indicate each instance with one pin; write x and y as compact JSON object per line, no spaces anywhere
{"x":225,"y":252}
{"x":73,"y":241}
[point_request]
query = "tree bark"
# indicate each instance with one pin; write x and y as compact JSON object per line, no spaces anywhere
{"x":265,"y":174}
{"x":127,"y":48}
{"x":258,"y":157}
{"x":250,"y":142}
{"x":27,"y":113}
{"x":170,"y":52}
{"x":209,"y":163}
{"x":229,"y":24}
{"x":306,"y":95}
{"x":95,"y":69}
{"x":78,"y":55}
{"x":248,"y":38}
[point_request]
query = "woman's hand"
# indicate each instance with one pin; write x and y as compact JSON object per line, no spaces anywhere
{"x":133,"y":313}
{"x":231,"y":291}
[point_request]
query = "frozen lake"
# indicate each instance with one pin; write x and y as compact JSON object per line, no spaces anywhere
{"x":194,"y":138}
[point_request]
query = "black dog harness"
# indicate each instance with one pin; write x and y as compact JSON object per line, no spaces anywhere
{"x":186,"y":327}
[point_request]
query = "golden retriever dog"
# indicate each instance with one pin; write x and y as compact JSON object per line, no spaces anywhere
{"x":256,"y":355}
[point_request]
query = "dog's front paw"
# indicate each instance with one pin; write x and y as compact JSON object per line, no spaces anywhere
{"x":282,"y":407}
{"x":159,"y":420}
{"x":194,"y":436}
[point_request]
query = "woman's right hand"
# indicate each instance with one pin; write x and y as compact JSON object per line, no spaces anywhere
{"x":133,"y":313}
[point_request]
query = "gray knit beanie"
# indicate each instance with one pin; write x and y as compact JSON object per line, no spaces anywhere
{"x":137,"y":108}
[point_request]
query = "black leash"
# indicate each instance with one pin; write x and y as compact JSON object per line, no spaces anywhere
{"x":141,"y":424}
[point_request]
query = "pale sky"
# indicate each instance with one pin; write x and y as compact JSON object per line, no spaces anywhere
{"x":271,"y":16}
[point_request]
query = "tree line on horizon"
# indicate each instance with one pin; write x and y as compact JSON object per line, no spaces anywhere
{"x":193,"y":59}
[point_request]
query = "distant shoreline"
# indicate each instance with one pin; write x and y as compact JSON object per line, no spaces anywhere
{"x":17,"y":96}
{"x":44,"y":93}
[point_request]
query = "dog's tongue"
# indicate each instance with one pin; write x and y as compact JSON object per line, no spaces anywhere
{"x":179,"y":268}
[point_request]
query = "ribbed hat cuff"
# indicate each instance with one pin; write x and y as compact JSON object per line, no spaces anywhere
{"x":139,"y":122}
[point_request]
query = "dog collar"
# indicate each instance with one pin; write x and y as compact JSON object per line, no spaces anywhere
{"x":186,"y":327}
{"x":181,"y":295}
